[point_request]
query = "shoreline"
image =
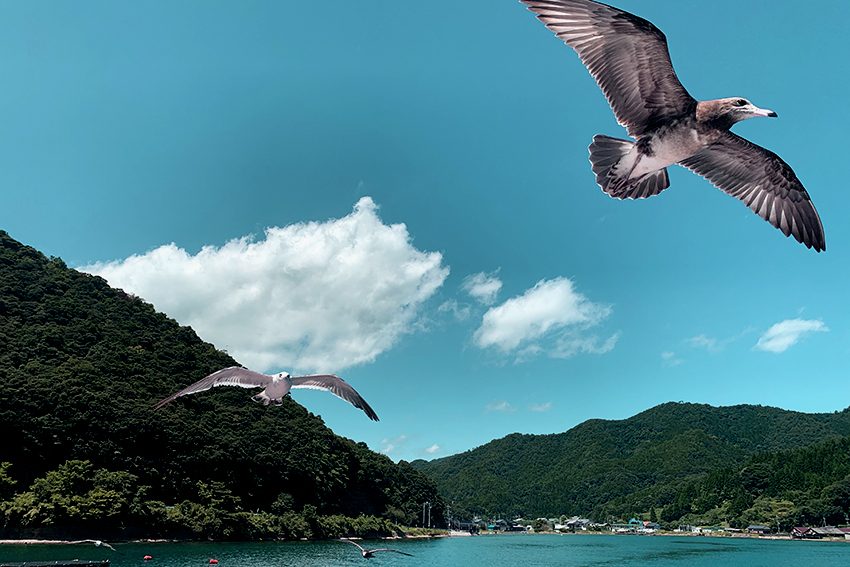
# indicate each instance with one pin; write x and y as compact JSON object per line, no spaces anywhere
{"x":774,"y":537}
{"x":34,"y":541}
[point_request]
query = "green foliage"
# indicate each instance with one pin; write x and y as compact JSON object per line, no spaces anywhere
{"x":81,"y":365}
{"x":810,"y":485}
{"x":75,"y":495}
{"x":656,"y":459}
{"x":7,"y":483}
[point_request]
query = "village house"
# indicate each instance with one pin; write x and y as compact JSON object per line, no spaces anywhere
{"x":803,"y":532}
{"x":758,"y":529}
{"x":829,"y":531}
{"x":806,"y":532}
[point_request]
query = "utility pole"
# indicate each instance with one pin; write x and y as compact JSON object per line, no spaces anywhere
{"x":424,"y":504}
{"x":429,"y":514}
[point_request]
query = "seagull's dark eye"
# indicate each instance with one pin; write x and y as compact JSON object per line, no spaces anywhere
{"x":740,"y":102}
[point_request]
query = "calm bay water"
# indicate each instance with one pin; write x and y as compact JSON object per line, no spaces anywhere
{"x":489,"y":551}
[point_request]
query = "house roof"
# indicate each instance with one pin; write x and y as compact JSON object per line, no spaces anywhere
{"x":828,"y":530}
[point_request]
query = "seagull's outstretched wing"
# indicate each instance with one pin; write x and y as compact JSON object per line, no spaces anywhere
{"x":336,"y":386}
{"x":96,"y":542}
{"x":764,"y":182}
{"x":231,"y":376}
{"x":388,"y":549}
{"x":627,"y":56}
{"x":354,"y":543}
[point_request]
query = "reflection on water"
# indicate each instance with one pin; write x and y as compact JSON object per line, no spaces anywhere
{"x":491,"y":551}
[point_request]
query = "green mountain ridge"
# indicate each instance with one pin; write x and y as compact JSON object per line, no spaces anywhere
{"x":81,"y":365}
{"x":621,"y":467}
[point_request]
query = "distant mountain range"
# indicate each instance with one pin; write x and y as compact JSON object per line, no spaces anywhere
{"x":635,"y":466}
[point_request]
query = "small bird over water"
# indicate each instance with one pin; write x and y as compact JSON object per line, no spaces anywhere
{"x":629,"y":59}
{"x":96,"y":542}
{"x":370,"y":553}
{"x":276,"y":387}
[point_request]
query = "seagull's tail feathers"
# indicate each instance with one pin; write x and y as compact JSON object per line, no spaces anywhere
{"x":605,"y":154}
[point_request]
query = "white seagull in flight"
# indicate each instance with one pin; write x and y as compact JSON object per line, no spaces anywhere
{"x":370,"y":553}
{"x":96,"y":542}
{"x":276,"y":387}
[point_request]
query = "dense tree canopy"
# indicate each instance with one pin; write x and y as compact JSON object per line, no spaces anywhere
{"x":80,"y":366}
{"x":783,"y":489}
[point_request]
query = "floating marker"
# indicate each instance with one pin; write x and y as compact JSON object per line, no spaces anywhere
{"x":213,"y":561}
{"x":148,"y":557}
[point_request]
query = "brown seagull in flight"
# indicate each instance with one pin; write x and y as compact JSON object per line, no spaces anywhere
{"x":628,"y":57}
{"x":274,"y":387}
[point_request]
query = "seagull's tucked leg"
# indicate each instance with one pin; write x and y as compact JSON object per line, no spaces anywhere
{"x":261,"y":398}
{"x":615,"y":163}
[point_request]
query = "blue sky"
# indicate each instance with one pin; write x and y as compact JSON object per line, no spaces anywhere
{"x":401,"y":148}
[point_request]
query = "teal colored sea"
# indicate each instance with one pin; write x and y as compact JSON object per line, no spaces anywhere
{"x":489,"y":551}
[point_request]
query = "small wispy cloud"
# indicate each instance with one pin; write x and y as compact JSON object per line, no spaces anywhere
{"x":460,"y":311}
{"x":389,"y":446}
{"x":568,"y":346}
{"x":540,"y":408}
{"x":785,"y":334}
{"x":502,"y":406}
{"x":483,"y":287}
{"x":714,"y":344}
{"x":432,"y":449}
{"x":669,"y":358}
{"x":703,"y":341}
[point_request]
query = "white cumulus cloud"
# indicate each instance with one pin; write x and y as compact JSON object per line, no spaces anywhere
{"x":785,"y":334}
{"x":551,"y":318}
{"x":483,"y":287}
{"x":432,"y":449}
{"x":540,"y":408}
{"x":308,"y":296}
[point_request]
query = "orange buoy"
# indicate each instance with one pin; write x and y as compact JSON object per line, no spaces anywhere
{"x":148,"y":557}
{"x":213,"y":561}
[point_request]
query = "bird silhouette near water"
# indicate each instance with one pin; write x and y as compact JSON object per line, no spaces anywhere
{"x":370,"y":553}
{"x":275,"y":387}
{"x":96,"y":542}
{"x":629,"y":59}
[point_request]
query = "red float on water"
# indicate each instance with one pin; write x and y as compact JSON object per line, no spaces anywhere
{"x":148,"y":557}
{"x":213,"y":561}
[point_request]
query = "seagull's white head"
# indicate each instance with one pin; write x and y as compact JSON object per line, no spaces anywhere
{"x":281,"y":376}
{"x":724,"y":112}
{"x":741,"y":109}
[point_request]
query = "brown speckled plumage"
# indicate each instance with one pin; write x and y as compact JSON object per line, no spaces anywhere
{"x":629,"y":58}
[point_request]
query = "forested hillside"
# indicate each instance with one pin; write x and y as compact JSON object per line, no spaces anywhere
{"x":621,"y":468}
{"x":80,"y":366}
{"x":808,"y":486}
